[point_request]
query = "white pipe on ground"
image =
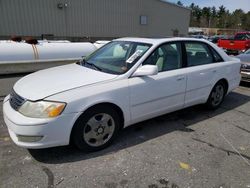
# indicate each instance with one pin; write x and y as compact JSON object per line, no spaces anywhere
{"x":20,"y":51}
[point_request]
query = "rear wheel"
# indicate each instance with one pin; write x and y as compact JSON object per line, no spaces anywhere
{"x":96,"y":128}
{"x":216,"y":96}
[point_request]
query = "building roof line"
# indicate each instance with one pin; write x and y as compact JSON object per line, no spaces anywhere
{"x":174,"y":4}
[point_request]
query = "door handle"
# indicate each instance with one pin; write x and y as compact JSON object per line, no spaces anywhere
{"x":214,"y":71}
{"x":180,"y":78}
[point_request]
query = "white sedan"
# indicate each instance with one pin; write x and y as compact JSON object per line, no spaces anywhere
{"x":126,"y":81}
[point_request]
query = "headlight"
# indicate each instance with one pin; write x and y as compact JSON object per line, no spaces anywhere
{"x":245,"y":66}
{"x":42,"y":109}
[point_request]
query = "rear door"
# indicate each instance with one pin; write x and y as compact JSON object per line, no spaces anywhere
{"x":203,"y":69}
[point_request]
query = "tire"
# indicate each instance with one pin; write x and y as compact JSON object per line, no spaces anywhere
{"x":96,"y":128}
{"x":216,"y":96}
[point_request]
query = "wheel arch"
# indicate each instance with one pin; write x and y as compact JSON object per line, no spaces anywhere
{"x":109,"y":104}
{"x":225,"y":82}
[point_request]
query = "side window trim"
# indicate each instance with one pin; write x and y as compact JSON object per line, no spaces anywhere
{"x":184,"y":55}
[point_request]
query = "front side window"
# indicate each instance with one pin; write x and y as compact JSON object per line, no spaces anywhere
{"x":116,"y":57}
{"x":167,"y":57}
{"x":198,"y":54}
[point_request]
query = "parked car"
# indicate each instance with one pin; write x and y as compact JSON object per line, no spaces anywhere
{"x":199,"y":36}
{"x":214,"y":39}
{"x":239,"y":44}
{"x":126,"y":81}
{"x":245,"y":66}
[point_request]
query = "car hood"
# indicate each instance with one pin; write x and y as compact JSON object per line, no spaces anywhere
{"x":244,"y":57}
{"x":42,"y":84}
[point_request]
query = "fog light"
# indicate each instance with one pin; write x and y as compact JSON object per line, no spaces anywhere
{"x":22,"y":138}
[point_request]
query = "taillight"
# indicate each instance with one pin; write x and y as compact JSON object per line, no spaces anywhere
{"x":247,"y":44}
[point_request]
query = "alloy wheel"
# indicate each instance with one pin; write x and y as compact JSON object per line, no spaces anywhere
{"x":217,"y":95}
{"x":99,"y":129}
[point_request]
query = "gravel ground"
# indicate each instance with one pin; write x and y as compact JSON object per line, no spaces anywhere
{"x":189,"y":148}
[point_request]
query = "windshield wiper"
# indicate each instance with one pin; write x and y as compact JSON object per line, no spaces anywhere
{"x":84,"y":62}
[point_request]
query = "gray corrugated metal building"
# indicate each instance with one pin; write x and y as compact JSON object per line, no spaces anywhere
{"x":92,"y":18}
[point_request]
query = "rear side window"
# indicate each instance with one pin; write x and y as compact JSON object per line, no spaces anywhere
{"x":217,"y":57}
{"x":198,"y":54}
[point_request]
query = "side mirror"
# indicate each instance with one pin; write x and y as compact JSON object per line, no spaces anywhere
{"x":146,"y":70}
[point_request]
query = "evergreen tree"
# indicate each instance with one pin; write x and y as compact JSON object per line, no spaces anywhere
{"x":221,"y":17}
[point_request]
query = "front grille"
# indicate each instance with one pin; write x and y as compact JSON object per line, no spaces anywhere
{"x":16,"y":101}
{"x":245,"y":70}
{"x":246,"y":79}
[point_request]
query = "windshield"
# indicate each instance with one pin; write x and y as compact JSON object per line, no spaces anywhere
{"x":248,"y":51}
{"x":242,"y":36}
{"x":116,"y":57}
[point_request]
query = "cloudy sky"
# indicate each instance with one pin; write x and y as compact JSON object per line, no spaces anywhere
{"x":229,"y":4}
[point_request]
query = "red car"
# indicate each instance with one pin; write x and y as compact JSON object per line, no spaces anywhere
{"x":239,"y":44}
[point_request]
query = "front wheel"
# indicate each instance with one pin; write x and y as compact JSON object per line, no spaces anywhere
{"x":96,"y":128}
{"x":216,"y":96}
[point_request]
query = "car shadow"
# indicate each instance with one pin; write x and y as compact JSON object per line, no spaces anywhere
{"x":142,"y":132}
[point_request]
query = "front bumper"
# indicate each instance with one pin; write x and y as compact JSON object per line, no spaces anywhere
{"x":54,"y":132}
{"x":245,"y":76}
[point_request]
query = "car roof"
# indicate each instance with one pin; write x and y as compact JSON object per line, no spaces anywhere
{"x":156,"y":41}
{"x":159,"y":41}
